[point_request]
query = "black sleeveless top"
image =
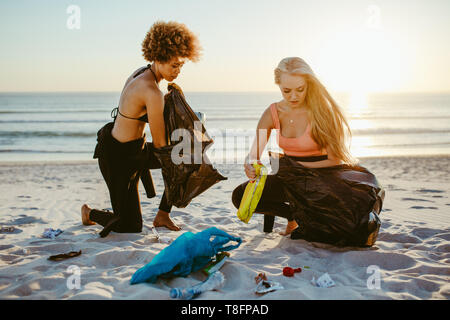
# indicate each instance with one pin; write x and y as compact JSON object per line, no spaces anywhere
{"x":143,"y":118}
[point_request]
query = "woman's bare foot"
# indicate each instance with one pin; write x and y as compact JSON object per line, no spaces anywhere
{"x":162,"y":219}
{"x":291,"y":226}
{"x":85,"y":210}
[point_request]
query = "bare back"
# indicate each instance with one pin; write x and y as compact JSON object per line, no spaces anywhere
{"x":132,"y":103}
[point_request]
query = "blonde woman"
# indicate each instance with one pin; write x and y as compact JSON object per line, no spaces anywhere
{"x":312,"y":131}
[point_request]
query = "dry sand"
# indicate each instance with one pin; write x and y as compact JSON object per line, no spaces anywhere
{"x":412,"y":253}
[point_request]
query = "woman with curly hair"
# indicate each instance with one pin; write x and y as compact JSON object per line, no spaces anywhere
{"x":311,"y":131}
{"x":166,"y":46}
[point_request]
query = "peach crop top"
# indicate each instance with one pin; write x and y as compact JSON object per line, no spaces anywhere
{"x":297,"y":147}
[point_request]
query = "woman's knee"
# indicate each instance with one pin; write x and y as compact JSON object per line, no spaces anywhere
{"x":238,"y":192}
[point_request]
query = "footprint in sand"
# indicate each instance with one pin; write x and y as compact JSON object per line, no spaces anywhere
{"x":424,"y":233}
{"x":52,"y":248}
{"x":14,"y":230}
{"x":24,"y":219}
{"x":385,"y":260}
{"x":444,"y":248}
{"x":8,"y":258}
{"x":41,"y":268}
{"x":445,"y":236}
{"x":400,"y":238}
{"x":394,"y":188}
{"x":414,"y":199}
{"x":420,"y":207}
{"x":430,"y":191}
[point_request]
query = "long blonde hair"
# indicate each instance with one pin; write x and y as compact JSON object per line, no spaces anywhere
{"x":327,"y":118}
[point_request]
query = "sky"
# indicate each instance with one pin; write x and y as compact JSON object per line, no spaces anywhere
{"x":351,"y":45}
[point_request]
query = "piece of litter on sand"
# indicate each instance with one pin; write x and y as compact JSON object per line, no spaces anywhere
{"x":51,"y":233}
{"x":265,"y":286}
{"x":162,"y":239}
{"x":64,"y":256}
{"x":260,"y":277}
{"x":214,"y":282}
{"x":155,"y":233}
{"x":165,"y":239}
{"x":324,"y":281}
{"x":217,"y":263}
{"x":289,"y":272}
{"x":7,"y":229}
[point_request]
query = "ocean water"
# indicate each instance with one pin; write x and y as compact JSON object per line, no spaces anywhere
{"x":63,"y":126}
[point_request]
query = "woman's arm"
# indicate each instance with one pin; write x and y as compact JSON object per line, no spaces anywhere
{"x":331,"y":161}
{"x":263,"y":130}
{"x":154,"y":102}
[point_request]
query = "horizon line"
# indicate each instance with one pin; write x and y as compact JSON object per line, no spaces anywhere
{"x":268,"y":91}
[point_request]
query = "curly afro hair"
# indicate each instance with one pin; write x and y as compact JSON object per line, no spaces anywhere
{"x":167,"y":40}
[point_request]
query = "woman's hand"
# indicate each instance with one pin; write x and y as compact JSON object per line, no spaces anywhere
{"x":250,"y":171}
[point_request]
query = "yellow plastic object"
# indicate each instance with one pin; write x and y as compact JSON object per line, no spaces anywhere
{"x":252,"y":193}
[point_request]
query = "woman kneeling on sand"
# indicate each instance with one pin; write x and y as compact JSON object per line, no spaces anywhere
{"x":167,"y":45}
{"x":310,"y":130}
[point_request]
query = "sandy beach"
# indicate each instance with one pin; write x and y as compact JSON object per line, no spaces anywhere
{"x":412,"y":253}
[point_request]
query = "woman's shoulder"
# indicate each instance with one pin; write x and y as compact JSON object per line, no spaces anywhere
{"x":266,"y":120}
{"x":133,"y":76}
{"x":145,"y":85}
{"x":269,"y":110}
{"x":136,"y":73}
{"x":274,"y":106}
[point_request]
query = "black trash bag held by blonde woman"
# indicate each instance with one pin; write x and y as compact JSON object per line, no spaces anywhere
{"x":185,"y":180}
{"x":338,"y":205}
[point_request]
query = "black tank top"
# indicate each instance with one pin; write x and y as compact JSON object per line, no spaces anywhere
{"x":143,"y":118}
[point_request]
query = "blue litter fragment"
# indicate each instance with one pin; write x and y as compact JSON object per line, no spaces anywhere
{"x":51,"y":233}
{"x":188,"y":253}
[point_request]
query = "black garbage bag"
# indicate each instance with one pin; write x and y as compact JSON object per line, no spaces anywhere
{"x":339,"y":205}
{"x":185,"y":167}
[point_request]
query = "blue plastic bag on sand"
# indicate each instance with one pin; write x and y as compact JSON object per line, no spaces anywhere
{"x":188,"y":253}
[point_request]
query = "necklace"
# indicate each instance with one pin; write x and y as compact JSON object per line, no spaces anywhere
{"x":291,"y":121}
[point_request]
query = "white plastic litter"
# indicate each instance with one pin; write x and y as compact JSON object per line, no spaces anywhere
{"x":215,"y":281}
{"x":51,"y":233}
{"x":165,"y":239}
{"x":267,"y":286}
{"x":162,"y":239}
{"x":324,"y":281}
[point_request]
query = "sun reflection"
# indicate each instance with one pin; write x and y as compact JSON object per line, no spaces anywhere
{"x":360,"y":145}
{"x":358,"y":104}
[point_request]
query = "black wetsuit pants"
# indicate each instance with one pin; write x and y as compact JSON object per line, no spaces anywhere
{"x":273,"y":201}
{"x":118,"y":165}
{"x":124,"y":195}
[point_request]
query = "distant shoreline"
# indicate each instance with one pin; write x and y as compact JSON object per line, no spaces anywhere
{"x":94,"y":161}
{"x":225,"y":92}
